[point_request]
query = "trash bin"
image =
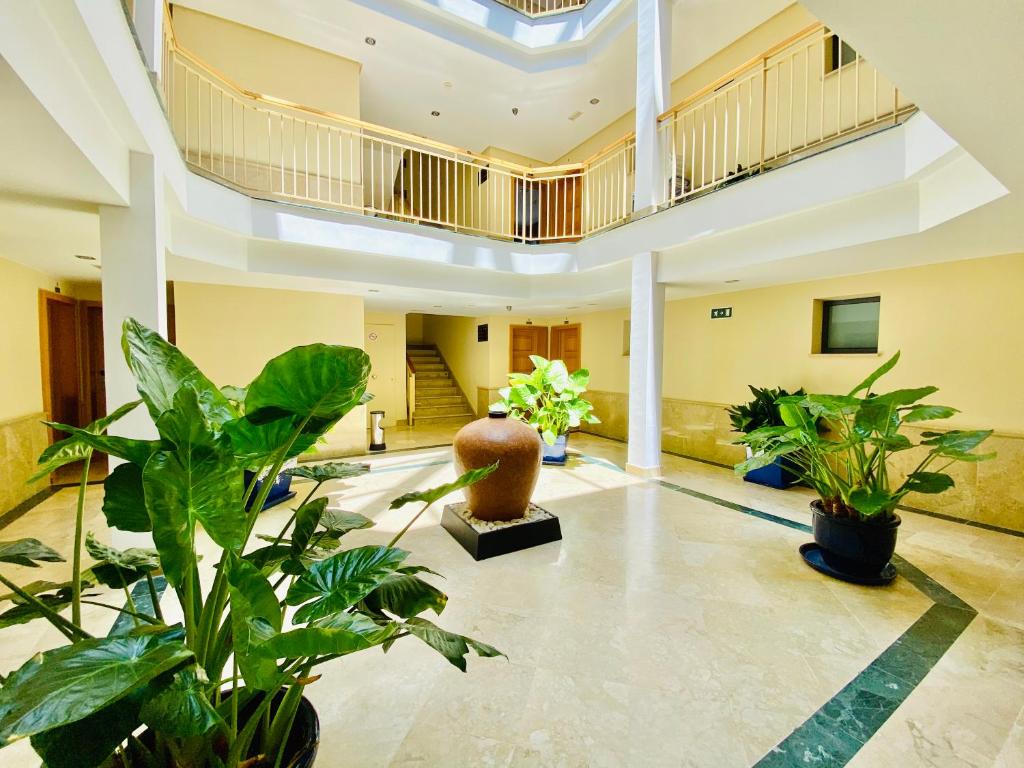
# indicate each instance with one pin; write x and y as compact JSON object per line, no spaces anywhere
{"x":377,"y":431}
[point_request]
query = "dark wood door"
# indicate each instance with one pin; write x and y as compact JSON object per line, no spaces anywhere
{"x":566,"y":345}
{"x":94,"y":389}
{"x":61,"y":363}
{"x":523,"y":341}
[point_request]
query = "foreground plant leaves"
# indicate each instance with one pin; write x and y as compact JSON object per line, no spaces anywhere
{"x":255,"y":616}
{"x":65,"y":685}
{"x":73,"y":449}
{"x":197,"y":481}
{"x":183,"y":708}
{"x":450,"y":645}
{"x":334,"y":470}
{"x":124,"y":499}
{"x":27,"y":552}
{"x":161,"y":370}
{"x":120,"y":568}
{"x":326,"y":640}
{"x":431,"y":495}
{"x":406,"y":595}
{"x":342,"y":580}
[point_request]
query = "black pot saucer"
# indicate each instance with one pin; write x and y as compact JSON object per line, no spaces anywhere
{"x":818,"y":559}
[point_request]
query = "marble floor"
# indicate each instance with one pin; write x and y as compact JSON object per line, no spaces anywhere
{"x":674,"y":625}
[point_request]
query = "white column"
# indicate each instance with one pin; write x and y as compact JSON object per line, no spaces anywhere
{"x":646,"y":341}
{"x":653,"y":78}
{"x":134,"y":275}
{"x":149,"y":24}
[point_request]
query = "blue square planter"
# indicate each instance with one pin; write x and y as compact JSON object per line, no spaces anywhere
{"x":281,"y":490}
{"x":776,"y":475}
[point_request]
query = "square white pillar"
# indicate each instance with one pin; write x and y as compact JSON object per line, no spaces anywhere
{"x":134,"y":277}
{"x":149,"y":26}
{"x":646,"y":344}
{"x":653,"y":78}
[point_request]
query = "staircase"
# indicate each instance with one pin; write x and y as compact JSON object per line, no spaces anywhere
{"x":437,"y":394}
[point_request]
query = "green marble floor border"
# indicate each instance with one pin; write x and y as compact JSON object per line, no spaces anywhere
{"x":835,"y":733}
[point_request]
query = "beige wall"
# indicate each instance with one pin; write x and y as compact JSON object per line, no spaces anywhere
{"x":231,"y":332}
{"x":778,"y":28}
{"x":271,"y":65}
{"x":413,"y":328}
{"x":388,"y":395}
{"x":950,"y":321}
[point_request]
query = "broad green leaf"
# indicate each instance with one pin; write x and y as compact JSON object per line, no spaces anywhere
{"x":332,"y":470}
{"x":316,"y":641}
{"x":830,"y":406}
{"x":124,"y":499}
{"x":161,"y":370}
{"x":929,"y":482}
{"x":338,"y":522}
{"x":197,"y":481}
{"x":876,"y":375}
{"x":35,"y":587}
{"x":27,"y":552}
{"x":233,"y":393}
{"x":255,"y":443}
{"x":549,"y":437}
{"x":127,"y":448}
{"x":928,"y":413}
{"x":342,"y":580}
{"x":120,"y":568}
{"x":405,"y":595}
{"x":955,"y":441}
{"x":73,"y":449}
{"x":871,"y":502}
{"x":307,"y":518}
{"x":23,"y":613}
{"x":320,"y":381}
{"x":431,"y":495}
{"x":255,"y":615}
{"x":91,"y":740}
{"x":67,"y":684}
{"x":183,"y":708}
{"x":450,"y":645}
{"x":903,"y":397}
{"x":558,"y":376}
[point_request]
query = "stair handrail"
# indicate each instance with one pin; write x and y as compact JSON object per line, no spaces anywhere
{"x":410,"y":390}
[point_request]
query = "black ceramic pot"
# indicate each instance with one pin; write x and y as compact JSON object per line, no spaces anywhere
{"x":853,"y":545}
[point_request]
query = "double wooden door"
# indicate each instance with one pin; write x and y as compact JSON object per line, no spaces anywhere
{"x":560,"y":342}
{"x":565,"y":345}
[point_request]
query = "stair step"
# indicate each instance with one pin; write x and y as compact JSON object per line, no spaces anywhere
{"x":427,"y":402}
{"x":458,"y":409}
{"x":461,"y":419}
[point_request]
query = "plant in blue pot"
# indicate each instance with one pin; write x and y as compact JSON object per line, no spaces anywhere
{"x":763,"y":411}
{"x":550,"y":399}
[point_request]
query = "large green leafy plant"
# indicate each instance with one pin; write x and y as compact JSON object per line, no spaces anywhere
{"x":762,"y":411}
{"x":221,"y":688}
{"x":550,"y":399}
{"x":848,"y":464}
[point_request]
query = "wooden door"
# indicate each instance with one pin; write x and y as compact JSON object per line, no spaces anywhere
{"x":94,"y":387}
{"x":566,"y":345}
{"x":523,"y":341}
{"x":61,"y":363}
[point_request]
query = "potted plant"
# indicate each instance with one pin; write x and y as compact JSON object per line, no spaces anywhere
{"x":224,"y":686}
{"x":550,"y":399}
{"x":855,"y":521}
{"x":760,"y":412}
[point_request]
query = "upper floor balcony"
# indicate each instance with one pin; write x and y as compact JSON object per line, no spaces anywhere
{"x":803,"y":95}
{"x":538,"y":8}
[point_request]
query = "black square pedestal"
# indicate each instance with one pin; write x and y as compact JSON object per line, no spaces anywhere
{"x":484,"y":539}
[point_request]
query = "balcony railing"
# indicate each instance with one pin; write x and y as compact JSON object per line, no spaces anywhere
{"x":537,"y":8}
{"x":788,"y":103}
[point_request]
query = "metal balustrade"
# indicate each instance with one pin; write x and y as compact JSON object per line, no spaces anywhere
{"x":538,"y":8}
{"x":804,"y":95}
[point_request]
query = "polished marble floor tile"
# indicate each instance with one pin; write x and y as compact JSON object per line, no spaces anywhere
{"x":669,"y":628}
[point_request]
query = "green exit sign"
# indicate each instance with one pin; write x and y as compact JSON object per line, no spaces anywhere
{"x":719,"y":312}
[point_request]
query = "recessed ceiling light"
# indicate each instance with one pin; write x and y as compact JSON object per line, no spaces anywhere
{"x":435,"y":113}
{"x":575,"y":115}
{"x":447,"y":83}
{"x":592,"y":305}
{"x":595,"y":100}
{"x":83,"y":257}
{"x":373,"y":290}
{"x":370,"y":40}
{"x":734,"y":280}
{"x":437,"y":306}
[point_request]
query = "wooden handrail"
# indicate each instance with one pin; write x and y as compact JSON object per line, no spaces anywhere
{"x":409,"y":364}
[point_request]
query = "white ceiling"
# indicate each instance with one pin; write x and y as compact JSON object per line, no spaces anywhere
{"x":404,"y":73}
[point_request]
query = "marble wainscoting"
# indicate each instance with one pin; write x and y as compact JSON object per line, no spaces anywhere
{"x":988,"y":493}
{"x":21,"y":441}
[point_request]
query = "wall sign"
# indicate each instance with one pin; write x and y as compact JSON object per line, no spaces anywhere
{"x":481,"y":332}
{"x":718,"y":313}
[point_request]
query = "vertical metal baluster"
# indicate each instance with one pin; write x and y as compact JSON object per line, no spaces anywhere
{"x":807,"y":86}
{"x":821,"y":134}
{"x":856,"y":90}
{"x":789,"y":147}
{"x":839,"y":85}
{"x":874,"y":99}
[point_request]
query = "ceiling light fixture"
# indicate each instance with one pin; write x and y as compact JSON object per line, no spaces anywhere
{"x":595,"y":100}
{"x":370,"y":40}
{"x":435,"y":113}
{"x":373,"y":290}
{"x":83,"y":257}
{"x":515,"y":111}
{"x":437,"y":306}
{"x":734,"y":280}
{"x":575,"y":115}
{"x":447,"y":83}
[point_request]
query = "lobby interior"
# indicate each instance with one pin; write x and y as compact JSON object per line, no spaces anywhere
{"x":688,"y":200}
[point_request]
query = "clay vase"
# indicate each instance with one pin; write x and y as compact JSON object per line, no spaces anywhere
{"x":505,"y":493}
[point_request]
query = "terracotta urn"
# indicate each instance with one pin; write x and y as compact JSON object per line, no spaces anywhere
{"x":505,"y":494}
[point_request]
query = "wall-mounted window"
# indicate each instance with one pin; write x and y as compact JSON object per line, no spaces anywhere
{"x":838,"y":53}
{"x":850,"y":326}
